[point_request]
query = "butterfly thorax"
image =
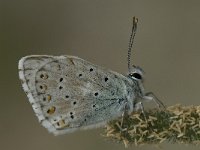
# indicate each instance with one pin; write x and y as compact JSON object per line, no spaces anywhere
{"x":138,"y":89}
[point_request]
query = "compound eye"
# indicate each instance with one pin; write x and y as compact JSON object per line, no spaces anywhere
{"x":136,"y":75}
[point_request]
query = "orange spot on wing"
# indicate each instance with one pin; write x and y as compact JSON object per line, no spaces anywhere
{"x":51,"y":110}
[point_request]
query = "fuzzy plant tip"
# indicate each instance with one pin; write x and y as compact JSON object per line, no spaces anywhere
{"x":176,"y":124}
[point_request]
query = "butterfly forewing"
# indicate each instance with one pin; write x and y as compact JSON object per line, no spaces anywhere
{"x":68,"y":93}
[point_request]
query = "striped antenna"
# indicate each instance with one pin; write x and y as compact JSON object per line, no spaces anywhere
{"x":130,"y":45}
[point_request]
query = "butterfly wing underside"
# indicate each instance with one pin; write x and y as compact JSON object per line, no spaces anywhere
{"x":68,"y":93}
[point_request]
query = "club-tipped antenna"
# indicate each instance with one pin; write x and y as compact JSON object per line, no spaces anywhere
{"x":133,"y":32}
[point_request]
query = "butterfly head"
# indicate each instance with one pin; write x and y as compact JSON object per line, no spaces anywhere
{"x":136,"y":73}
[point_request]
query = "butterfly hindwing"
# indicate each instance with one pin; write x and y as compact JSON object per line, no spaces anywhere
{"x":68,"y":93}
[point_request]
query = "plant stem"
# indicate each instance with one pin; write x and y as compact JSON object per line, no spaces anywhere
{"x":177,"y":124}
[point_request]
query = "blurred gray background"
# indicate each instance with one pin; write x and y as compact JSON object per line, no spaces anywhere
{"x":167,"y":47}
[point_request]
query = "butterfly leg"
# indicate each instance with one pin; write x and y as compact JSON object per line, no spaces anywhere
{"x":150,"y":96}
{"x":140,"y":106}
{"x":122,"y":120}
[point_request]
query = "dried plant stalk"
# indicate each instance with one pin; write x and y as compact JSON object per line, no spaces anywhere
{"x":179,"y":124}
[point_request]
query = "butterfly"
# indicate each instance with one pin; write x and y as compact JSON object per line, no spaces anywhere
{"x":68,"y":93}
